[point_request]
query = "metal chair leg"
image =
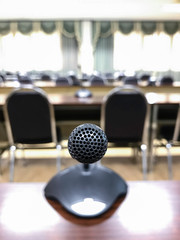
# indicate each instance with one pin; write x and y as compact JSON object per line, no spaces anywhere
{"x":12,"y":161}
{"x":169,"y":159}
{"x":58,"y":159}
{"x":152,"y":148}
{"x":144,"y":161}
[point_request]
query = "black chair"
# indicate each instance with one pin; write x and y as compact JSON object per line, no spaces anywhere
{"x":46,"y":77}
{"x":63,"y":81}
{"x":30,"y":123}
{"x":119,"y":76}
{"x":125,"y":118}
{"x":166,"y":81}
{"x":165,"y":131}
{"x":10,"y":77}
{"x":175,"y":141}
{"x":132,"y":80}
{"x":164,"y":120}
{"x":96,"y":81}
{"x":73,"y":78}
{"x":165,"y":115}
{"x":144,"y":80}
{"x":2,"y":77}
{"x":24,"y":80}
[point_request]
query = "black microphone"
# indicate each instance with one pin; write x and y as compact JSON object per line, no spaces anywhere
{"x":87,"y":143}
{"x":82,"y":184}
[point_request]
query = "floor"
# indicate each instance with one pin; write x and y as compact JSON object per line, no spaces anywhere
{"x":40,"y":165}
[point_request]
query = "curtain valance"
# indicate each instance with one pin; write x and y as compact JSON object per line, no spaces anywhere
{"x":4,"y":28}
{"x":148,"y":27}
{"x":102,"y":29}
{"x":25,"y":27}
{"x":48,"y":26}
{"x":126,"y":27}
{"x":72,"y":29}
{"x":171,"y":27}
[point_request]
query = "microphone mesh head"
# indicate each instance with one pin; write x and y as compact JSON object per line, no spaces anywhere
{"x":87,"y":143}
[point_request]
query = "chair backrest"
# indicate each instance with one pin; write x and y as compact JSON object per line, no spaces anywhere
{"x":131,"y":80}
{"x":63,"y":81}
{"x":25,"y":80}
{"x":144,"y":80}
{"x":46,"y":77}
{"x":73,"y":78}
{"x":97,"y":81}
{"x":124,"y":115}
{"x":166,"y":80}
{"x":29,"y":117}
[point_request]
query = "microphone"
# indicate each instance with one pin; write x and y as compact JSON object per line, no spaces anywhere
{"x":85,"y":189}
{"x":87,"y":143}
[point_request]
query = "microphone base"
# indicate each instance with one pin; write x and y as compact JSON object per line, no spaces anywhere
{"x":83,"y":93}
{"x":86,"y":192}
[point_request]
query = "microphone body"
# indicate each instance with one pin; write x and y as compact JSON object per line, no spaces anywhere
{"x":87,"y":143}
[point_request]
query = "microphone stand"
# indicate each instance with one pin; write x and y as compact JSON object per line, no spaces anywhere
{"x":86,"y":166}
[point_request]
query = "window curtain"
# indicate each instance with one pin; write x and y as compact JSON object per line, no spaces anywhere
{"x":127,"y":48}
{"x":48,"y":56}
{"x":71,"y":36}
{"x":160,"y":52}
{"x":147,"y":46}
{"x":30,"y":46}
{"x":103,"y":46}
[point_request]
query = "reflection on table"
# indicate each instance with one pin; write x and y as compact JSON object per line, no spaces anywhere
{"x":151,"y":210}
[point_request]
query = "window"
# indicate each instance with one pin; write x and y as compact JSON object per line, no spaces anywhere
{"x":36,"y":51}
{"x":127,"y":51}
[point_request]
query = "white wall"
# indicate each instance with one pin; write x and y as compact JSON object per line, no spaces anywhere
{"x":89,"y":9}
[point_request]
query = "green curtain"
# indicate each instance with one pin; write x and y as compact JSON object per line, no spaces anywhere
{"x":70,"y":54}
{"x":171,"y":27}
{"x":103,"y":46}
{"x":25,"y":27}
{"x":68,"y":28}
{"x":48,"y":26}
{"x":71,"y":34}
{"x":103,"y":56}
{"x":126,"y":27}
{"x":148,"y":27}
{"x":4,"y":28}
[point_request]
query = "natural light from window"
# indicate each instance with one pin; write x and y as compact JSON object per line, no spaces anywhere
{"x":37,"y":51}
{"x":149,"y":52}
{"x":156,"y":52}
{"x":175,"y":66}
{"x":127,"y":51}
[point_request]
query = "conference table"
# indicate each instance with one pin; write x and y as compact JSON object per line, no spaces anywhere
{"x":66,"y":95}
{"x":149,"y":211}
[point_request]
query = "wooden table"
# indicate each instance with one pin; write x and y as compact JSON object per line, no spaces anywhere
{"x":65,"y":95}
{"x":151,"y":210}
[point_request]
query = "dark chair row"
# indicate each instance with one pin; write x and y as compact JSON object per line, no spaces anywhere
{"x":30,"y":121}
{"x":125,"y":119}
{"x":95,"y":79}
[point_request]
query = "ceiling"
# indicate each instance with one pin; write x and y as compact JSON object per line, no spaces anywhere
{"x":91,"y":9}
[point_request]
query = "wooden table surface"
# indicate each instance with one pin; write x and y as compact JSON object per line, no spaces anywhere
{"x":65,"y":95}
{"x":151,"y":210}
{"x":63,"y":99}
